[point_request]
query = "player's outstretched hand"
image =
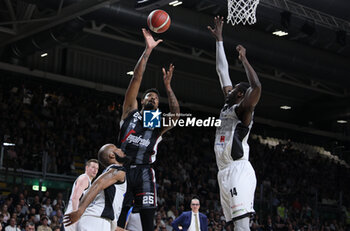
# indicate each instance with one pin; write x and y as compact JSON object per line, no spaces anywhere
{"x":217,"y":31}
{"x":241,"y":52}
{"x":149,"y":40}
{"x":168,"y":75}
{"x":72,"y":217}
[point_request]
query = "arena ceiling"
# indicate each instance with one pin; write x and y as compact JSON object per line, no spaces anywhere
{"x":308,"y":70}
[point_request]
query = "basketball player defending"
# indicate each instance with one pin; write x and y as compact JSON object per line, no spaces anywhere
{"x":139,"y":143}
{"x":100,"y":207}
{"x":79,"y":188}
{"x":236,"y":175}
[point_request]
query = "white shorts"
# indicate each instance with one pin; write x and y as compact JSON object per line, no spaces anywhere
{"x":134,"y":222}
{"x":92,"y":223}
{"x":237,"y":184}
{"x":71,"y":227}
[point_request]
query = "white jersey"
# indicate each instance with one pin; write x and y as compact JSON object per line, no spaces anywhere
{"x":231,"y":138}
{"x":108,"y":203}
{"x":70,"y":206}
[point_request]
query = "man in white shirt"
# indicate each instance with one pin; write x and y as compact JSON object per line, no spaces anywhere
{"x":192,"y":220}
{"x":12,"y":226}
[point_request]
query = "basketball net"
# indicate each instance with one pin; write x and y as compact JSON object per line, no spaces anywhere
{"x":242,"y":11}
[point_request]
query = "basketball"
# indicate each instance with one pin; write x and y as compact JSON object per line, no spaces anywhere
{"x":158,"y":21}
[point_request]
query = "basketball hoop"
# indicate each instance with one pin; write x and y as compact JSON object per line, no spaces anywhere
{"x":242,"y":11}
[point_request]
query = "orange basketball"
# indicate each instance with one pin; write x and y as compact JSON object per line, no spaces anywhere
{"x":158,"y":21}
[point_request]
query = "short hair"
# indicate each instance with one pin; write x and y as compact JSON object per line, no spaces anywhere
{"x":195,"y":198}
{"x":243,"y":86}
{"x":103,"y":155}
{"x":91,"y":161}
{"x":29,"y":224}
{"x":150,"y":90}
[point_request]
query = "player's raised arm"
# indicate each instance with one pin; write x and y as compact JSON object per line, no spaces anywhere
{"x":104,"y":181}
{"x":221,"y":61}
{"x":173,"y":103}
{"x":252,"y":95}
{"x":130,"y":101}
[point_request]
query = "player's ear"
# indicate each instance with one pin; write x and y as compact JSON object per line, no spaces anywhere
{"x":111,"y":155}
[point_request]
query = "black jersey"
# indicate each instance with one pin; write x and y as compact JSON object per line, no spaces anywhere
{"x":137,"y":142}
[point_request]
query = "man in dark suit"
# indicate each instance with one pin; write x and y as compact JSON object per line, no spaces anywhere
{"x":192,"y":220}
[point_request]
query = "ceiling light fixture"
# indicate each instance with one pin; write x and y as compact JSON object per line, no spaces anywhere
{"x":280,"y":33}
{"x":285,"y":107}
{"x":342,"y":121}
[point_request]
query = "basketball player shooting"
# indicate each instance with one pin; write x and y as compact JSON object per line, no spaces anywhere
{"x":236,"y":175}
{"x":140,"y":143}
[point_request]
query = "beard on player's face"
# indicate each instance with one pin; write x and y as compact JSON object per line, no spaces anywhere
{"x":150,"y":105}
{"x":234,"y":96}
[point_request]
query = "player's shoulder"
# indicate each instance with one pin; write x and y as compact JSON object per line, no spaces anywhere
{"x":82,"y":178}
{"x":186,"y":213}
{"x":132,"y":113}
{"x":116,"y":167}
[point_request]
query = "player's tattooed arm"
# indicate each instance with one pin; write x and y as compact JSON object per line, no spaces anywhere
{"x":172,"y":100}
{"x":130,"y":101}
{"x":102,"y":182}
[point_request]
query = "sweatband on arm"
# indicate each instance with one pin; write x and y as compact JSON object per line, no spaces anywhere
{"x":222,"y":65}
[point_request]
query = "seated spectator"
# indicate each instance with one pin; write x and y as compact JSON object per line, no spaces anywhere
{"x":12,"y":226}
{"x":36,"y":204}
{"x":158,"y":222}
{"x":282,"y":211}
{"x":2,"y":223}
{"x":25,"y":209}
{"x":168,"y":224}
{"x":48,"y":207}
{"x":279,"y":224}
{"x":30,"y":226}
{"x":54,"y":222}
{"x":31,"y":219}
{"x":269,"y":225}
{"x":5,"y":213}
{"x":255,"y":224}
{"x":44,"y":224}
{"x":59,"y":198}
{"x":56,"y":228}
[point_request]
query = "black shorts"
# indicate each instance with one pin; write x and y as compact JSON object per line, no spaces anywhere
{"x":141,"y":187}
